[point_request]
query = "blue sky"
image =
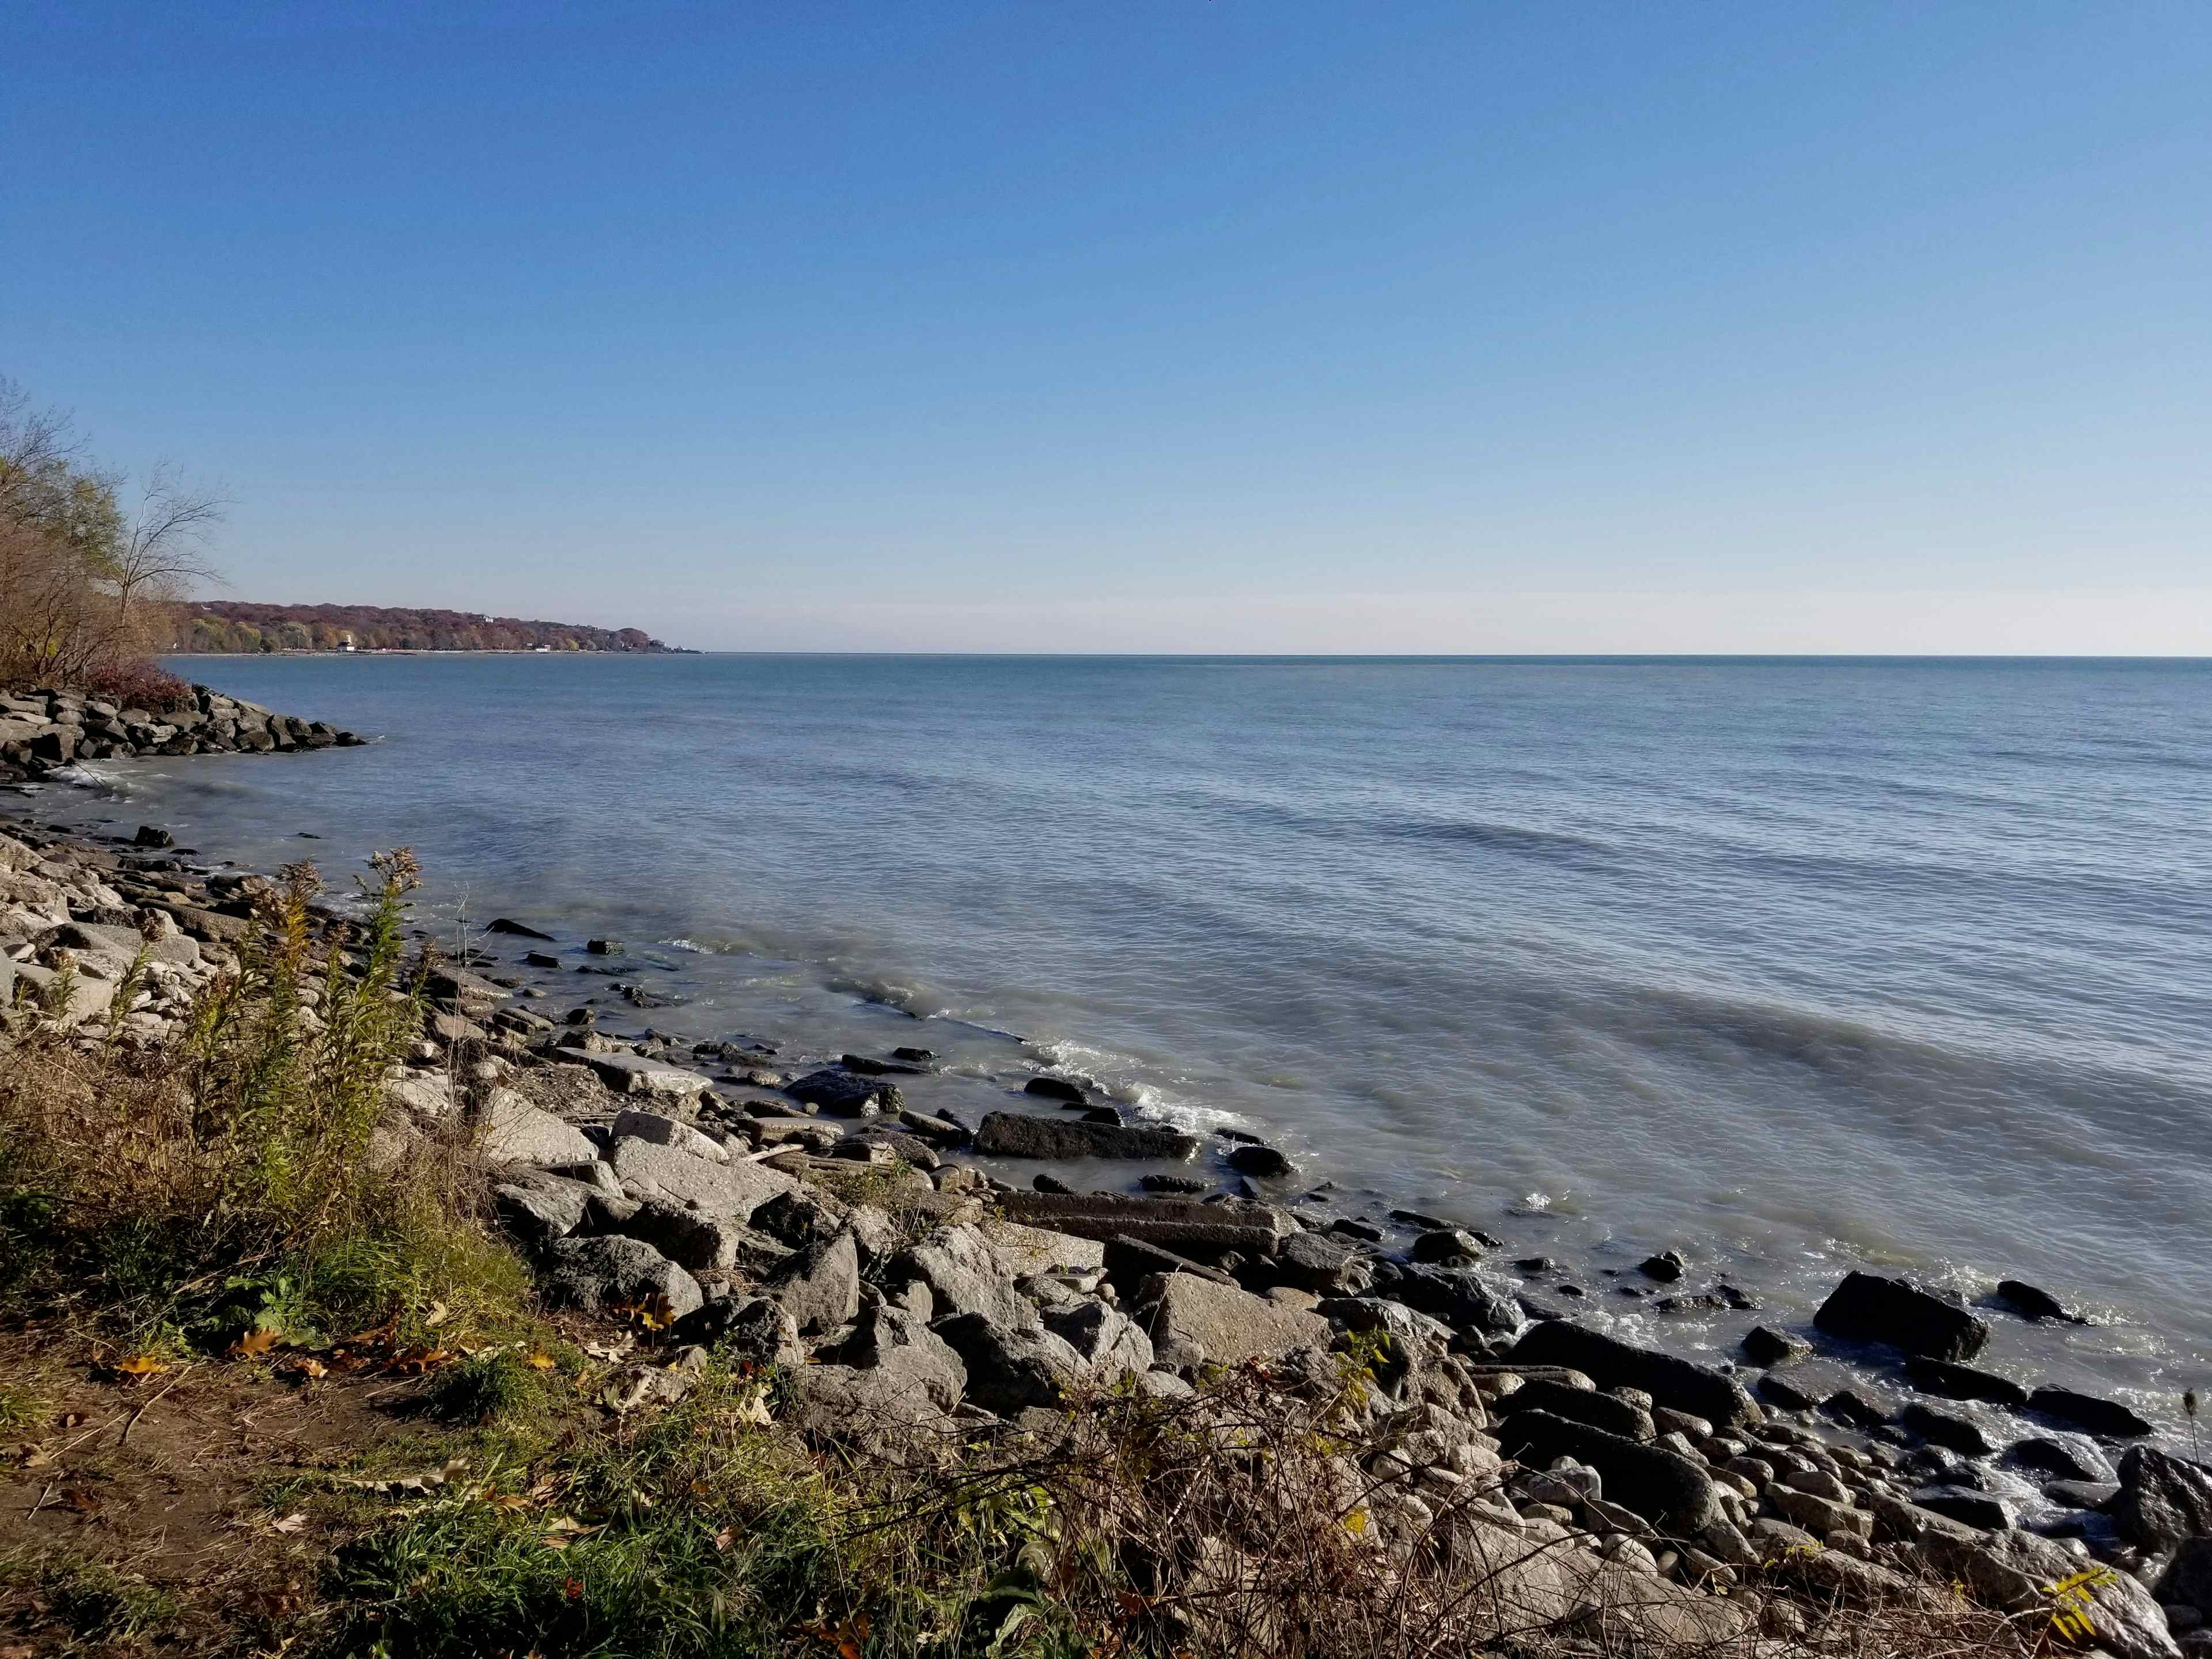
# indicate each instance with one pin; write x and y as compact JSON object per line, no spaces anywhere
{"x":1227,"y":326}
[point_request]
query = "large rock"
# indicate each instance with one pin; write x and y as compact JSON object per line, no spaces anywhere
{"x":702,"y":1242}
{"x":2163,"y":1499}
{"x":1021,"y":1251}
{"x":633,"y":1074}
{"x":2088,"y":1413}
{"x":538,"y":1211}
{"x":891,"y":1339}
{"x":1953,"y":1430}
{"x":1608,"y":1412}
{"x":648,"y":1169}
{"x":880,"y":1411}
{"x":593,"y":1273}
{"x":1008,"y":1369}
{"x":1463,"y":1298}
{"x":820,"y":1286}
{"x":1868,"y":1308}
{"x":516,"y":1132}
{"x":1193,"y":1321}
{"x":748,"y":1330}
{"x":1663,"y":1486}
{"x":1613,"y":1363}
{"x":844,"y":1095}
{"x":2014,"y":1572}
{"x":964,"y":1276}
{"x":1009,"y":1134}
{"x":1109,"y":1343}
{"x":2188,"y":1578}
{"x":1320,"y":1262}
{"x":1950,"y":1381}
{"x":670,"y":1132}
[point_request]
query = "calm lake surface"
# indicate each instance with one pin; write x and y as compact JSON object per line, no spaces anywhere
{"x":1791,"y":966}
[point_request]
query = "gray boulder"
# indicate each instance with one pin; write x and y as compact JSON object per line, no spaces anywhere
{"x":592,"y":1273}
{"x":2163,"y":1499}
{"x":1464,"y":1298}
{"x":1010,"y":1370}
{"x":1868,"y":1308}
{"x":879,"y":1411}
{"x":515,"y":1132}
{"x":633,"y":1074}
{"x":2187,"y":1580}
{"x":2012,"y":1571}
{"x":704,"y":1242}
{"x":648,"y":1169}
{"x":1109,"y":1343}
{"x":1320,"y":1262}
{"x":964,"y":1276}
{"x":820,"y":1286}
{"x":750,"y":1330}
{"x":844,"y":1095}
{"x":887,"y":1337}
{"x":670,"y":1132}
{"x":1194,"y":1321}
{"x":1612,"y":1363}
{"x":803,"y":1216}
{"x":538,"y":1211}
{"x":1951,"y":1381}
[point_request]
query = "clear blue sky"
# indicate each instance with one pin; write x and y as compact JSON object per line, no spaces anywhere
{"x":1227,"y":326}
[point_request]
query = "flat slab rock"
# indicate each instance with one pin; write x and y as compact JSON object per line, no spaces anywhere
{"x":633,"y":1074}
{"x":648,"y":1169}
{"x":1193,"y":1321}
{"x":516,"y":1132}
{"x":1012,"y":1134}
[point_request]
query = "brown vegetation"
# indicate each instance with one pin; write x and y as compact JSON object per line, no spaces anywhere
{"x":84,"y":583}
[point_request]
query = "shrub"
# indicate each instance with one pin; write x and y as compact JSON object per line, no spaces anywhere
{"x":138,"y":683}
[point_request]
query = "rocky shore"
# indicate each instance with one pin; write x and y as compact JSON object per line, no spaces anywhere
{"x":44,"y":731}
{"x":796,"y":1210}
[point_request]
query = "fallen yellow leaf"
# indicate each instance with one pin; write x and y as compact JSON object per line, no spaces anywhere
{"x":539,"y":1360}
{"x":259,"y":1340}
{"x":140,"y":1364}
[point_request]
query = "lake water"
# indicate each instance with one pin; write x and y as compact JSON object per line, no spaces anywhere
{"x":1788,"y":965}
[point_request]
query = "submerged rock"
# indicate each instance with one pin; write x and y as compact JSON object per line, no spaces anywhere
{"x":1868,"y":1308}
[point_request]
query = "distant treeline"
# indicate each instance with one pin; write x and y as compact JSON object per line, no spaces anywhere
{"x":226,"y":625}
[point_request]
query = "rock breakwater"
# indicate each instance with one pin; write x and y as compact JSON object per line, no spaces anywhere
{"x":44,"y":731}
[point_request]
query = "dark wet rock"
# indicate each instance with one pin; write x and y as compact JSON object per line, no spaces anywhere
{"x":1009,"y":1134}
{"x":2096,"y":1495}
{"x":1868,"y":1308}
{"x":914,"y":1056}
{"x":1666,"y":1267}
{"x":2034,"y":1303}
{"x":820,"y":1286}
{"x":1350,"y":1228}
{"x":1850,"y":1406}
{"x":1953,"y":1430}
{"x":938,"y":1131}
{"x":1663,"y":1486}
{"x":603,"y":947}
{"x":1045,"y":1183}
{"x":1462,"y":1298}
{"x":1765,"y":1345}
{"x":1977,"y":1508}
{"x":2087,"y":1412}
{"x":2163,"y":1499}
{"x":1260,"y":1163}
{"x":151,"y":835}
{"x":862,"y":1066}
{"x":1426,"y":1223}
{"x":1056,"y":1088}
{"x":509,"y":925}
{"x":1009,"y":1368}
{"x":1950,"y":1381}
{"x":1101,"y":1115}
{"x":1174,"y":1183}
{"x":1599,"y":1411}
{"x":1319,"y":1263}
{"x":593,"y":1273}
{"x":844,"y":1095}
{"x":2187,"y":1580}
{"x":1613,"y":1363}
{"x":1527,"y":1264}
{"x":2075,"y":1458}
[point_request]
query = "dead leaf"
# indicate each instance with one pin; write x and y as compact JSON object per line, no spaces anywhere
{"x":290,"y":1523}
{"x":724,"y":1538}
{"x":139,"y":1364}
{"x":539,"y":1360}
{"x":312,"y":1368}
{"x":436,"y":1317}
{"x":79,"y":1500}
{"x":259,"y":1340}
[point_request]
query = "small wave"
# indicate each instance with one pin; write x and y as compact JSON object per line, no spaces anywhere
{"x":908,"y":1000}
{"x":84,"y":776}
{"x":686,"y":945}
{"x":1516,"y":838}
